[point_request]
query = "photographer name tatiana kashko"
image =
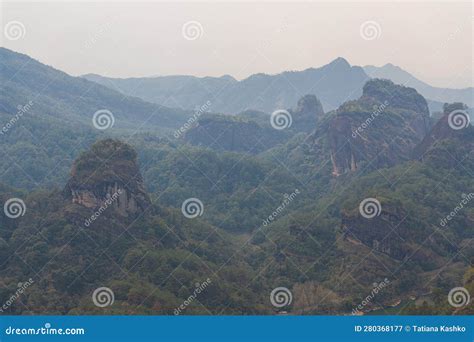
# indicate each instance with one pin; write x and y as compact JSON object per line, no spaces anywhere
{"x":438,"y":328}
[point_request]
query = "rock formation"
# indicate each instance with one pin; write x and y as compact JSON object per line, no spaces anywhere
{"x":251,"y":131}
{"x":307,"y":113}
{"x":343,"y":150}
{"x":443,"y":131}
{"x":108,"y":175}
{"x":385,"y":233}
{"x":231,"y":134}
{"x":380,"y":129}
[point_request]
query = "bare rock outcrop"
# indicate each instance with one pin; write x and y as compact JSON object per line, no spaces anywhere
{"x":108,"y":174}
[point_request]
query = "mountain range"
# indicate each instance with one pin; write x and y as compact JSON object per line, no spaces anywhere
{"x":440,"y":95}
{"x":328,"y":206}
{"x":333,"y":83}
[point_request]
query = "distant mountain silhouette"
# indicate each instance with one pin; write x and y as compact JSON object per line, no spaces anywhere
{"x":437,"y":95}
{"x":333,"y":83}
{"x":59,"y":96}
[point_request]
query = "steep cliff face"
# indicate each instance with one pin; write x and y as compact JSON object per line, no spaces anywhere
{"x":382,"y":233}
{"x":379,"y":130}
{"x":343,"y":149}
{"x":108,"y":175}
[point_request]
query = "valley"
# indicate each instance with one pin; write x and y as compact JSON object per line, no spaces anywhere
{"x":271,"y":207}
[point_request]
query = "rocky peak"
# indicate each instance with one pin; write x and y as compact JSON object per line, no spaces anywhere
{"x":395,"y":95}
{"x":108,"y":174}
{"x":381,"y":128}
{"x":309,"y":104}
{"x":449,"y":126}
{"x":339,"y":63}
{"x":307,"y":113}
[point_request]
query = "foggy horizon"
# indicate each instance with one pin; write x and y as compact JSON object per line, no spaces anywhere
{"x":433,"y":44}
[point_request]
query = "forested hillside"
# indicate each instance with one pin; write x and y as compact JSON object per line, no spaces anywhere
{"x":374,"y":194}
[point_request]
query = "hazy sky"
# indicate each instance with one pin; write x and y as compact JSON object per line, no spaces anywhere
{"x":432,"y":40}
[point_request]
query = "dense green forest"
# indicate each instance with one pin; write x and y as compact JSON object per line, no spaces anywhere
{"x":105,"y":208}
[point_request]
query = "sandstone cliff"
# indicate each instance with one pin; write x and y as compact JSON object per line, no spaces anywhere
{"x":380,"y":129}
{"x":108,"y":174}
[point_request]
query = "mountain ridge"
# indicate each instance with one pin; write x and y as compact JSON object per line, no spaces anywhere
{"x":439,"y":94}
{"x":262,"y":92}
{"x":77,"y":97}
{"x":435,"y":96}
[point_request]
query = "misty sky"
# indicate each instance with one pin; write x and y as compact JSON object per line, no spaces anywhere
{"x":432,"y":40}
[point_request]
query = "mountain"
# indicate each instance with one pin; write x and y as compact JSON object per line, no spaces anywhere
{"x":229,"y":133}
{"x":57,"y":95}
{"x":109,"y":209}
{"x":95,"y":233}
{"x":333,"y":83}
{"x":46,"y":119}
{"x":452,"y":126}
{"x":118,"y":239}
{"x":435,"y":94}
{"x":380,"y":129}
{"x":345,"y":249}
{"x":175,"y":91}
{"x":109,"y":168}
{"x":254,"y":132}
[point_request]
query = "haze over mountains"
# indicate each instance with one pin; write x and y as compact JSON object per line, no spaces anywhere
{"x":62,"y":97}
{"x":276,"y":206}
{"x":398,"y":75}
{"x":49,"y":103}
{"x":333,"y":83}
